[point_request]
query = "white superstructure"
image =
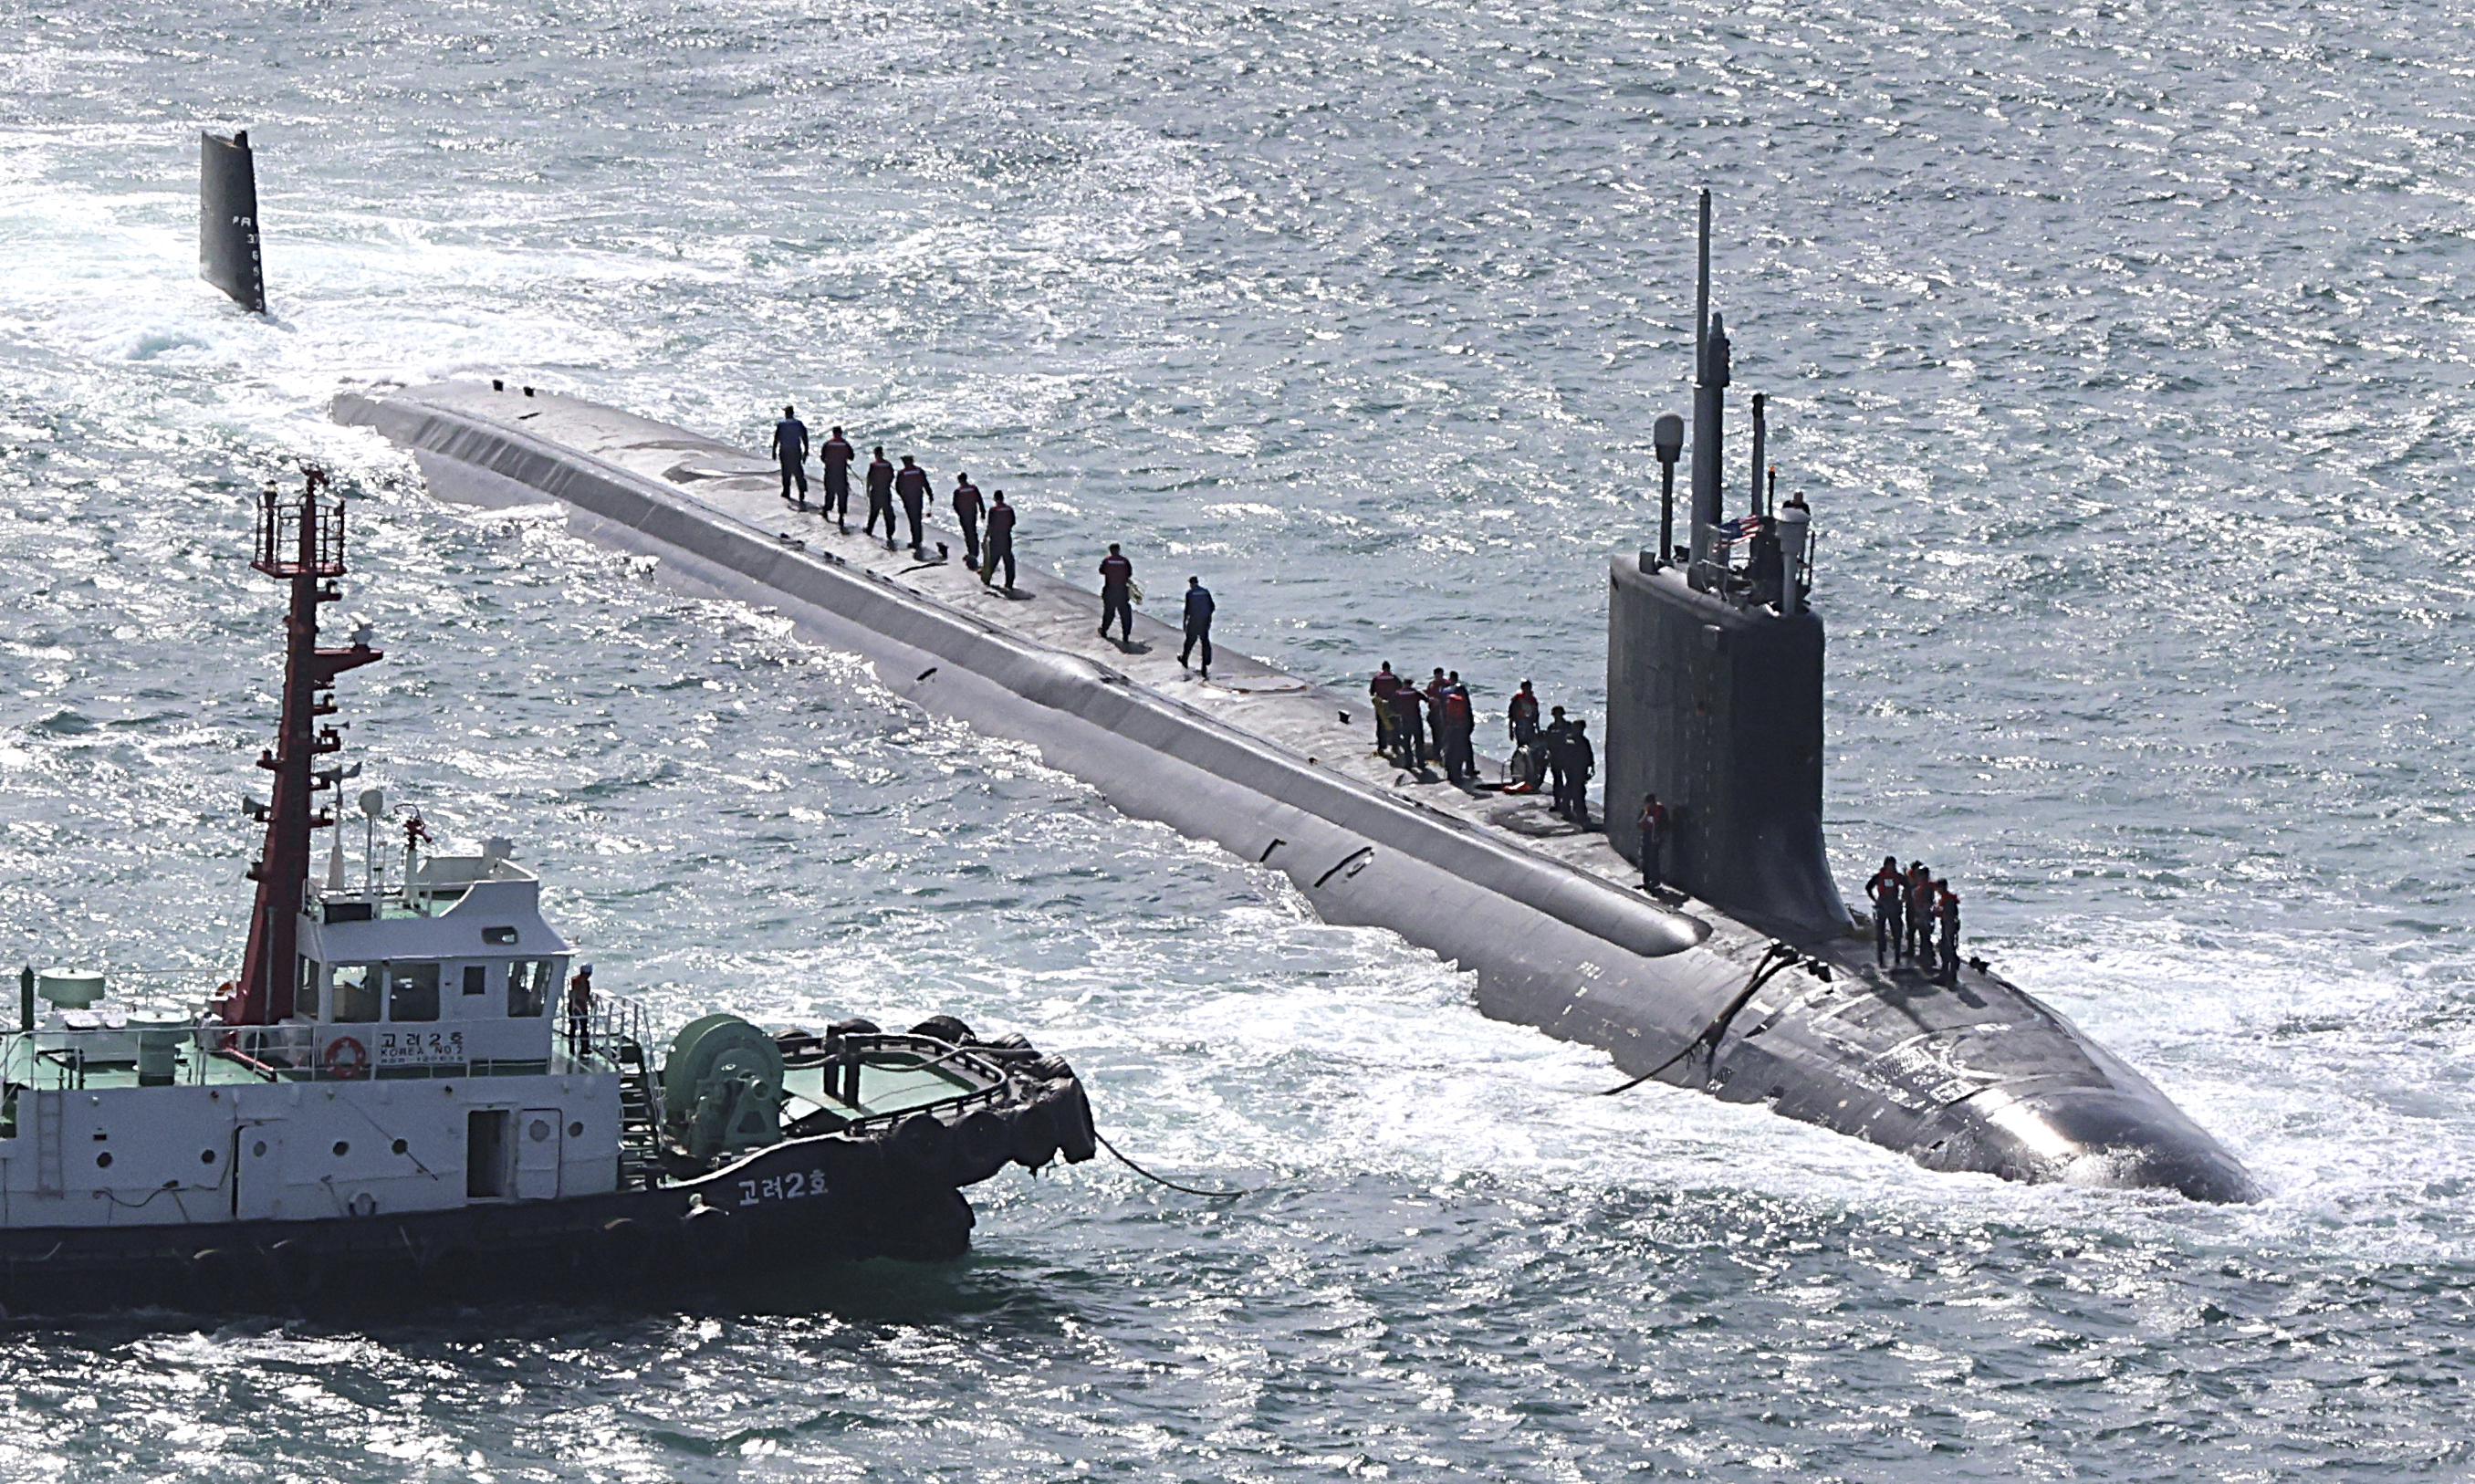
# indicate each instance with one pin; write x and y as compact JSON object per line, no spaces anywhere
{"x":428,"y":1063}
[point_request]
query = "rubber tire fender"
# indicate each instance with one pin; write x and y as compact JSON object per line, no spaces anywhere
{"x":1078,"y":1136}
{"x":943,"y":1028}
{"x":983,"y":1145}
{"x":1035,"y":1135}
{"x":919,"y":1148}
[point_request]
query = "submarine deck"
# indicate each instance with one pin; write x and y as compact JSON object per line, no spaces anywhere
{"x":1307,"y":717}
{"x":1280,"y":770}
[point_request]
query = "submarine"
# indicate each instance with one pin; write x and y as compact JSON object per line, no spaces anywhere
{"x":1748,"y":980}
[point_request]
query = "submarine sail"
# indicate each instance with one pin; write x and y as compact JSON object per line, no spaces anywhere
{"x":228,"y":219}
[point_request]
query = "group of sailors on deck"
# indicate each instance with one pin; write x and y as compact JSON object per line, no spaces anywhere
{"x":1915,"y":918}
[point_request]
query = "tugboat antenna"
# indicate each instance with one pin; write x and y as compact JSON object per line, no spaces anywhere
{"x":300,"y":541}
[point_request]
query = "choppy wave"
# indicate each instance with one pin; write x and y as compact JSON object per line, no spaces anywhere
{"x":2114,"y":348}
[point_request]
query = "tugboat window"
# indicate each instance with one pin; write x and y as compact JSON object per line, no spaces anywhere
{"x":356,"y":993}
{"x":476,"y":978}
{"x":304,"y":994}
{"x":527,"y":988}
{"x":412,"y":992}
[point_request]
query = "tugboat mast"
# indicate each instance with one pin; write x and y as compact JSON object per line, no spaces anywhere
{"x":301,"y":542}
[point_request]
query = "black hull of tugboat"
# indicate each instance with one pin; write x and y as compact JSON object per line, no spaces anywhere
{"x":781,"y":1209}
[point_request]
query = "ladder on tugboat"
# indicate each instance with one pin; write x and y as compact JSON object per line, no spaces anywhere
{"x":640,"y":1118}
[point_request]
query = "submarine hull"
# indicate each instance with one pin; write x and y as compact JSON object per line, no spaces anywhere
{"x":1276,"y":770}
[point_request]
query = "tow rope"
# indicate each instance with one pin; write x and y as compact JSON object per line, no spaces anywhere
{"x":1157,"y":1179}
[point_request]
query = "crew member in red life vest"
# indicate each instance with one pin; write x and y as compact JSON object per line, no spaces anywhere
{"x":579,"y":1010}
{"x":836,"y":454}
{"x":1920,"y":906}
{"x":1946,"y":918}
{"x":1888,"y":889}
{"x":1409,"y":726}
{"x":1438,"y":739}
{"x":966,"y":514}
{"x":1000,"y":548}
{"x":1382,"y":688}
{"x":910,"y":483}
{"x":1523,"y":715}
{"x":1460,"y":764}
{"x":1652,"y":825}
{"x":880,"y":496}
{"x":1116,"y":594}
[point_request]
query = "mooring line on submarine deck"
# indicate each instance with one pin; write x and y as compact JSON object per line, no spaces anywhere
{"x":1777,"y":956}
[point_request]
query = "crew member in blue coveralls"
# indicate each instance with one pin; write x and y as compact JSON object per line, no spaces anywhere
{"x":1116,"y":594}
{"x":910,"y":483}
{"x":1551,"y":751}
{"x":836,"y":454}
{"x":1198,"y":623}
{"x":966,"y":514}
{"x":880,"y":496}
{"x":1946,"y":918}
{"x":791,"y":447}
{"x":1889,"y":890}
{"x":1579,"y":762}
{"x":1000,"y":548}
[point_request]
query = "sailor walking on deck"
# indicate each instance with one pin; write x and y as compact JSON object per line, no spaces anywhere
{"x":1652,"y":825}
{"x":966,"y":514}
{"x":791,"y":447}
{"x":910,"y":483}
{"x":1888,"y":889}
{"x":1198,"y":623}
{"x":1001,"y":547}
{"x":880,"y":496}
{"x":836,"y":454}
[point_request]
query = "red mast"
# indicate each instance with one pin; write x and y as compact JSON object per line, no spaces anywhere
{"x":302,"y":541}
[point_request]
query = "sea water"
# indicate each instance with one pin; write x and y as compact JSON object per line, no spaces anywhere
{"x":2122,"y":350}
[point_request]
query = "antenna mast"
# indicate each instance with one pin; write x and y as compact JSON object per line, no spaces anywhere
{"x":1709,"y":415}
{"x":299,"y":541}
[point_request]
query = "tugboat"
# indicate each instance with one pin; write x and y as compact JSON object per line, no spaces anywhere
{"x":395,"y":1098}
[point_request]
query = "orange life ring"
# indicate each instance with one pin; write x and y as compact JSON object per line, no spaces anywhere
{"x":347,"y":1058}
